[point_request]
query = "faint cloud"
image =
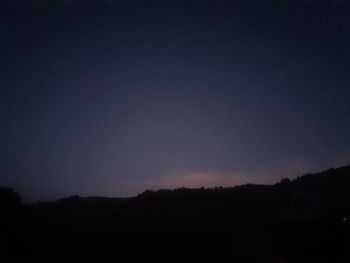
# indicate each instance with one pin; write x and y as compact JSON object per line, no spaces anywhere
{"x":196,"y":179}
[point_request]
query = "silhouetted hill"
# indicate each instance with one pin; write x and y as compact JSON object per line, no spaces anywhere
{"x":307,"y":197}
{"x":300,"y":220}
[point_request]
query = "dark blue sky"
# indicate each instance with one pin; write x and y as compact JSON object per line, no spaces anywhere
{"x":111,"y":99}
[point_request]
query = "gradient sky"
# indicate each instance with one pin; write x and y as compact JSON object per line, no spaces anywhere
{"x":113,"y":98}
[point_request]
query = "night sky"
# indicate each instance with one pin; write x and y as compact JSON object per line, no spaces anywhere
{"x":114,"y":97}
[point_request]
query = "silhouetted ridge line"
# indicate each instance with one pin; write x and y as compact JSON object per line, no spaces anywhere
{"x":300,"y":220}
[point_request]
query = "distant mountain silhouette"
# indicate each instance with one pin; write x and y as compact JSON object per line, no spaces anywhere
{"x":300,"y":220}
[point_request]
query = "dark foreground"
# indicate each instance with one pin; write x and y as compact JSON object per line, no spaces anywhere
{"x":304,"y":220}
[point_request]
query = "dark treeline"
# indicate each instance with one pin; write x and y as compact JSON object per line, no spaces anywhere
{"x":300,"y":220}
